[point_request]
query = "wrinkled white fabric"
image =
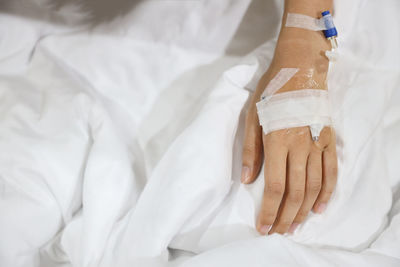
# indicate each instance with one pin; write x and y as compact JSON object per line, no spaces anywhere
{"x":123,"y":140}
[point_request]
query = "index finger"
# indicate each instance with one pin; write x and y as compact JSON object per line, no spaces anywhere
{"x":275,"y":179}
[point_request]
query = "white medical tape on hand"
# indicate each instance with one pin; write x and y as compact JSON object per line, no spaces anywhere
{"x":306,"y":107}
{"x":309,"y":23}
{"x":283,"y":76}
{"x":305,"y":22}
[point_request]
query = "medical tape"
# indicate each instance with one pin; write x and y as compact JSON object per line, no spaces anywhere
{"x":306,"y":107}
{"x":305,"y":22}
{"x":283,"y":76}
{"x":324,"y":24}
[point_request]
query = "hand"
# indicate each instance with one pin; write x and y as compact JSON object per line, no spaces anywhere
{"x":300,"y":175}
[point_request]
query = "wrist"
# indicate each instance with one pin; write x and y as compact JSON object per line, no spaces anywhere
{"x":312,"y":8}
{"x":302,"y":49}
{"x":305,"y":50}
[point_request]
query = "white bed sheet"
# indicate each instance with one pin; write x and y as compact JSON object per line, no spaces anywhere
{"x":122,"y":141}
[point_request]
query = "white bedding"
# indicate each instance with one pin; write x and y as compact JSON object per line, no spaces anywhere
{"x":120,"y":144}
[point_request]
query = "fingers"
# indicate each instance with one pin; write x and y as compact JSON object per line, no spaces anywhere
{"x":275,"y":179}
{"x":313,"y":185}
{"x":300,"y":175}
{"x":329,"y":177}
{"x":295,"y":188}
{"x":252,"y":148}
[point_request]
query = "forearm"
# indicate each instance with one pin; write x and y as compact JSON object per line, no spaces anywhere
{"x":312,"y":8}
{"x":303,"y":49}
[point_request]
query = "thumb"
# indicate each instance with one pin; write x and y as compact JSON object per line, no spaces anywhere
{"x":252,"y":147}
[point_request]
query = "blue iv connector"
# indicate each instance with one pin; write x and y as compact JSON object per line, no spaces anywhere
{"x":330,"y":32}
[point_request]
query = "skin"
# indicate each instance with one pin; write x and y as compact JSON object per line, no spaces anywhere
{"x":300,"y":175}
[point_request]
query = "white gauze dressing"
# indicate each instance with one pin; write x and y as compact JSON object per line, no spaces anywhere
{"x":306,"y":107}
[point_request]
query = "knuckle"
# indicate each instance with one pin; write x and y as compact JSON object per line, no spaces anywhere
{"x":327,"y":191}
{"x":276,"y":188}
{"x":251,"y":154}
{"x":249,"y":150}
{"x":285,"y":223}
{"x":301,"y":215}
{"x":296,"y":196}
{"x":331,"y":169}
{"x":314,"y":186}
{"x":298,"y":170}
{"x":268,"y":218}
{"x":318,"y":146}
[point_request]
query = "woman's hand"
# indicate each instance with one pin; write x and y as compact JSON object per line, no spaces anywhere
{"x":300,"y":174}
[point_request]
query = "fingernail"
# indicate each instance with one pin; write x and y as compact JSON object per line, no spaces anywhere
{"x":265,"y":229}
{"x":321,"y":208}
{"x":245,"y":174}
{"x":293,"y":227}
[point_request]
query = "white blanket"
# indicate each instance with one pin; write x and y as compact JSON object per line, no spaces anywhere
{"x":120,"y":144}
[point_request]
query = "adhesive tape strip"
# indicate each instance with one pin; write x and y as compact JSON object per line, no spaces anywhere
{"x":283,"y":76}
{"x":306,"y":107}
{"x":305,"y":22}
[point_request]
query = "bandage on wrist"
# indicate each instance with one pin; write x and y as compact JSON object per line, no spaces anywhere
{"x":306,"y":107}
